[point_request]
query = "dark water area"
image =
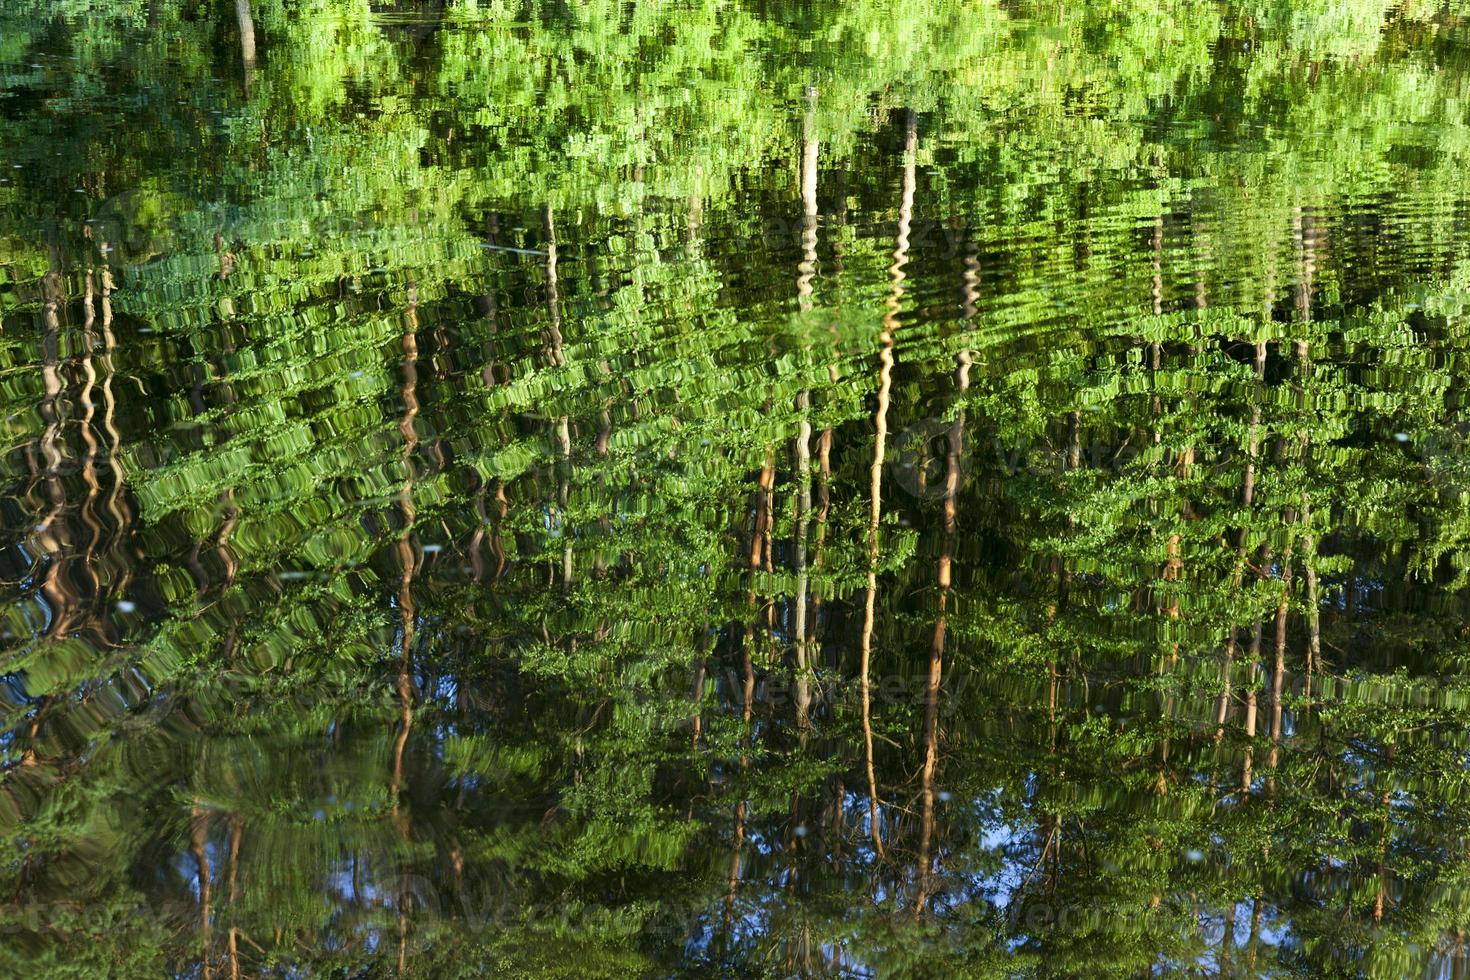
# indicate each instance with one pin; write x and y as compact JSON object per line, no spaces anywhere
{"x":886,"y":489}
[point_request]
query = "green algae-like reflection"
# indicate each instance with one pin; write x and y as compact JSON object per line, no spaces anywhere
{"x":899,"y":489}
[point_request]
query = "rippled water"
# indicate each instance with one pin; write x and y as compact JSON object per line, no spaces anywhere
{"x":898,"y":489}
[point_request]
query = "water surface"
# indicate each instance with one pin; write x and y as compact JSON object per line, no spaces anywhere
{"x":717,"y":489}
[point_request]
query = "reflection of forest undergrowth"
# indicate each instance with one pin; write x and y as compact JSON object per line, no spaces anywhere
{"x":906,"y":489}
